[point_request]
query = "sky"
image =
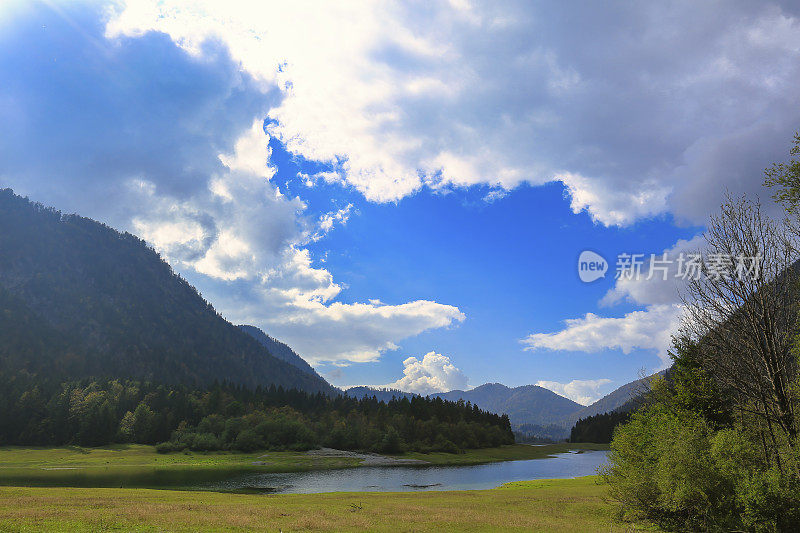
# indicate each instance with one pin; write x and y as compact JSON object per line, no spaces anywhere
{"x":401,"y":191}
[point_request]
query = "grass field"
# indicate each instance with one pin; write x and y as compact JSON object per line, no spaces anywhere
{"x":547,"y":505}
{"x":140,"y":466}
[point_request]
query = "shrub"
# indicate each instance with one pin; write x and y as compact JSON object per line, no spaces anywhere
{"x":248,"y":441}
{"x":170,"y":446}
{"x":205,"y":442}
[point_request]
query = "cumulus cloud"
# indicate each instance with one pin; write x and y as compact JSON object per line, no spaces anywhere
{"x":256,"y":239}
{"x":433,"y":373}
{"x":650,"y":329}
{"x":666,"y":282}
{"x":280,"y":290}
{"x":618,"y":208}
{"x":294,"y":301}
{"x":169,"y":142}
{"x":638,"y":109}
{"x":583,"y":391}
{"x":657,"y":288}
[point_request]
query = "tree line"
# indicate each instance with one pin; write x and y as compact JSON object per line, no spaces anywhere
{"x":94,"y":412}
{"x":598,"y":428}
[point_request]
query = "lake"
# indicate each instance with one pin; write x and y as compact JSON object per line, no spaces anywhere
{"x":415,"y":478}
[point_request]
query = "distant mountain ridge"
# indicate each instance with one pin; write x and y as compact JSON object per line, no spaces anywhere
{"x":382,"y":394}
{"x":80,"y":299}
{"x":528,"y":404}
{"x":531,"y":409}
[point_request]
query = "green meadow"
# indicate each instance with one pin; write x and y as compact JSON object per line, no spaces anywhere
{"x":568,"y":505}
{"x":114,"y":488}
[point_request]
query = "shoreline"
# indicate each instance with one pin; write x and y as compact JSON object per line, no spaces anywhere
{"x":568,"y":505}
{"x":139,"y":466}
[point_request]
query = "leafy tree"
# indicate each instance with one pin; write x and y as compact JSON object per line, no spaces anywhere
{"x":714,"y":445}
{"x":784,"y":178}
{"x":144,"y":424}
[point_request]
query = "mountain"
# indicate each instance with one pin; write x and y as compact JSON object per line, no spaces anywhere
{"x":597,"y":422}
{"x":535,"y":412}
{"x":383,"y":395}
{"x":615,"y":400}
{"x":528,"y":404}
{"x":280,"y":350}
{"x":79,"y":299}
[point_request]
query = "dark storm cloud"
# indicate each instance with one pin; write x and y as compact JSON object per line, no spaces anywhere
{"x":83,"y":115}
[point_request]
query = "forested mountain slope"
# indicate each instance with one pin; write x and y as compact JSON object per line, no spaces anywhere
{"x":78,"y":299}
{"x":278,"y":349}
{"x":624,"y":398}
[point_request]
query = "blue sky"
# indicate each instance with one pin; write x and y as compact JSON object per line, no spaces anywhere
{"x":401,"y":191}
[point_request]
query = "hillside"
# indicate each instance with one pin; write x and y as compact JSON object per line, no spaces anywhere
{"x":78,"y":299}
{"x":616,"y":400}
{"x":280,"y":350}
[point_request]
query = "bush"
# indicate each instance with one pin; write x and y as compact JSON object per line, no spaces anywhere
{"x":248,"y":441}
{"x":391,"y":442}
{"x":212,"y":424}
{"x":170,"y":446}
{"x":444,"y":445}
{"x":205,"y":442}
{"x":673,"y":469}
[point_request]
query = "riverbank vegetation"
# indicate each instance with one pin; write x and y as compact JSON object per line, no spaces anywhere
{"x":715,"y":447}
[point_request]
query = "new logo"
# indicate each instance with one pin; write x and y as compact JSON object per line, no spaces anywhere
{"x":591,"y":266}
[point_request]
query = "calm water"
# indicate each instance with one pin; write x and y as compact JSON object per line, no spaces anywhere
{"x":413,"y":478}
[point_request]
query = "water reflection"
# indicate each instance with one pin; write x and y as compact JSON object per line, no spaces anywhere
{"x":414,"y":478}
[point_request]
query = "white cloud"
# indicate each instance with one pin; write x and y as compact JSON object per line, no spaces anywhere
{"x":254,"y":235}
{"x":433,"y":373}
{"x":329,"y":220}
{"x":295,"y":303}
{"x":401,"y":96}
{"x":239,"y":226}
{"x":614,"y":208}
{"x":170,"y":145}
{"x":583,"y":391}
{"x":656,"y":290}
{"x":650,"y":329}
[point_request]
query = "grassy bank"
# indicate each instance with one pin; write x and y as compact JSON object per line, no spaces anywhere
{"x":547,"y":505}
{"x":141,"y":466}
{"x":513,"y":452}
